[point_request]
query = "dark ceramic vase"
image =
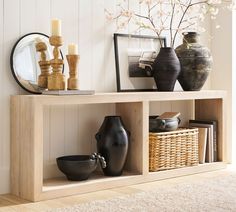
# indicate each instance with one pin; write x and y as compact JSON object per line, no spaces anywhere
{"x":112,"y":143}
{"x":166,"y":68}
{"x":196,"y":62}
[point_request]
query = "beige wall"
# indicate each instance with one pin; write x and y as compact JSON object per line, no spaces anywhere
{"x":233,"y":88}
{"x":222,"y":75}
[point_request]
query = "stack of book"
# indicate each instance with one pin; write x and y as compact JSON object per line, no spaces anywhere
{"x":207,"y":139}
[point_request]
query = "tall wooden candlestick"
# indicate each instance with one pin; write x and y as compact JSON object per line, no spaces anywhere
{"x":73,"y":82}
{"x":56,"y":81}
{"x":44,"y":65}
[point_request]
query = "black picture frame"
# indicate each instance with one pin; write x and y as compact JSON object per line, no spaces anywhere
{"x":117,"y":59}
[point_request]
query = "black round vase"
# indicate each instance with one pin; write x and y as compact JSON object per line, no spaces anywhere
{"x":166,"y":69}
{"x":112,"y":143}
{"x":196,"y":62}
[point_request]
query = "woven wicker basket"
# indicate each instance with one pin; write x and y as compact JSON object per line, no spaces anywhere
{"x":176,"y":149}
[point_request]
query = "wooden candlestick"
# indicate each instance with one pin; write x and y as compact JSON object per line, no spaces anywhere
{"x":56,"y":81}
{"x":44,"y":65}
{"x":73,"y":81}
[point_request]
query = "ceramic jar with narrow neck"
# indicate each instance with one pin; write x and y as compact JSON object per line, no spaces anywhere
{"x":195,"y":60}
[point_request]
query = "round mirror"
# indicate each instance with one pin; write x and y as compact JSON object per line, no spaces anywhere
{"x":25,"y":61}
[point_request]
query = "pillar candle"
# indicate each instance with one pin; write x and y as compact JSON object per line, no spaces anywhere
{"x":72,"y":49}
{"x":56,"y":27}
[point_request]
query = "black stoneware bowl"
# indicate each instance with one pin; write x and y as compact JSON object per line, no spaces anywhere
{"x":77,"y":167}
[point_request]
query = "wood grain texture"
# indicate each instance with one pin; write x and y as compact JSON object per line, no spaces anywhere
{"x":134,"y":110}
{"x":57,"y":138}
{"x":145,"y":118}
{"x":133,"y":118}
{"x":127,"y":97}
{"x":60,"y":187}
{"x":46,"y":142}
{"x":15,"y":146}
{"x":29,"y":148}
{"x":214,"y":110}
{"x":37,"y":153}
{"x":71,"y":130}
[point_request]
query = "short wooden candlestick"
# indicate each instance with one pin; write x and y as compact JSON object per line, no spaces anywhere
{"x":44,"y":65}
{"x":73,"y":81}
{"x":56,"y":81}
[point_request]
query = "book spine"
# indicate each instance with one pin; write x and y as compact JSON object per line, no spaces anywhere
{"x":207,"y":156}
{"x":215,"y":142}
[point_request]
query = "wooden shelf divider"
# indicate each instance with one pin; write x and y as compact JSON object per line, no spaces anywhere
{"x":27,"y":140}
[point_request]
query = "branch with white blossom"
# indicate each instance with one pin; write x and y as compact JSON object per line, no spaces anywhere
{"x":160,"y":15}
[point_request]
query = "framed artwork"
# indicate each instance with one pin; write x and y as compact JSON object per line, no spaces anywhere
{"x":134,"y":56}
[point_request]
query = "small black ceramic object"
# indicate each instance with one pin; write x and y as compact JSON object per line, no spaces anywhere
{"x":163,"y":125}
{"x":79,"y":167}
{"x":166,"y":69}
{"x":196,"y":62}
{"x":112,"y":143}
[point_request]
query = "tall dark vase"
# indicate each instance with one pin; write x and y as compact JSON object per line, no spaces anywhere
{"x":166,"y":69}
{"x":196,"y":62}
{"x":112,"y":143}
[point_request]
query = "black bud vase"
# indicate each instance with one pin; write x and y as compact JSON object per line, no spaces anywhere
{"x":112,"y":143}
{"x":166,"y":69}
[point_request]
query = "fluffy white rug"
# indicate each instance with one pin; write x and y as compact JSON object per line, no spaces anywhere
{"x":217,"y":193}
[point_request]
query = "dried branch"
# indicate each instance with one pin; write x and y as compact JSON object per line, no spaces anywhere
{"x":153,"y":6}
{"x":152,"y":23}
{"x":184,"y":13}
{"x":159,"y":18}
{"x":171,"y":21}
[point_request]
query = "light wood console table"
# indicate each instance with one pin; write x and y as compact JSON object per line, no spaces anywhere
{"x":27,"y":140}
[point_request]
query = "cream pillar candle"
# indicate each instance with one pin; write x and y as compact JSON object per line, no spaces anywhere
{"x":56,"y":27}
{"x":72,"y":49}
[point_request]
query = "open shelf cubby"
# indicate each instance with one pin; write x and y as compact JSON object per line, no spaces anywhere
{"x":28,"y":146}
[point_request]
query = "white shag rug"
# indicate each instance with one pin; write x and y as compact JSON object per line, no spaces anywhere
{"x":216,"y":194}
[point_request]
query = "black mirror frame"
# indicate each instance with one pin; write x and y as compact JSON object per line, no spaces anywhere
{"x":11,"y":60}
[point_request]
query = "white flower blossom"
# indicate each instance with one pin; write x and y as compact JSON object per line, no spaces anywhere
{"x":214,"y":2}
{"x":127,"y":13}
{"x":175,"y":16}
{"x":213,"y":11}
